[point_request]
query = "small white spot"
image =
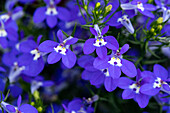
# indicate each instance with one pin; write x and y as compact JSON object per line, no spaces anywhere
{"x":157,"y":83}
{"x":100,"y":42}
{"x":135,"y":88}
{"x":106,"y":72}
{"x":3,"y":33}
{"x":60,"y":49}
{"x":115,"y":62}
{"x":51,"y":11}
{"x":36,"y":54}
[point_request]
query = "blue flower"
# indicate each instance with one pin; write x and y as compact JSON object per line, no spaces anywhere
{"x":115,"y":63}
{"x":60,"y":50}
{"x":141,"y":6}
{"x":51,"y":13}
{"x":100,"y":42}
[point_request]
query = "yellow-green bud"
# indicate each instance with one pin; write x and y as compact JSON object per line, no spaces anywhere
{"x":100,"y":11}
{"x":40,"y":109}
{"x":97,"y":4}
{"x":150,"y":1}
{"x":36,"y":95}
{"x":85,"y":7}
{"x":154,"y":34}
{"x":32,"y":103}
{"x":159,"y":20}
{"x":108,"y":8}
{"x":97,"y":12}
{"x":160,"y":27}
{"x":152,"y":30}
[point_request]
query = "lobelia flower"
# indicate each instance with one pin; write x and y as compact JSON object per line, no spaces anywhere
{"x":51,"y":13}
{"x":119,"y":19}
{"x":7,"y":29}
{"x":81,"y":106}
{"x":96,"y":76}
{"x":37,"y":82}
{"x":31,"y":52}
{"x":132,"y":89}
{"x":13,"y":13}
{"x":100,"y":43}
{"x":164,"y":8}
{"x":115,"y":63}
{"x":25,"y":108}
{"x":59,"y":50}
{"x":141,"y":6}
{"x":157,"y":81}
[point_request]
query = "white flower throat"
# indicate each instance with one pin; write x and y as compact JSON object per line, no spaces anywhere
{"x":36,"y":54}
{"x":99,"y":39}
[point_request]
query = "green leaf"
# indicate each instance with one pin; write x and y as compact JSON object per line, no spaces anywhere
{"x":74,"y":30}
{"x":7,"y":95}
{"x":65,"y":34}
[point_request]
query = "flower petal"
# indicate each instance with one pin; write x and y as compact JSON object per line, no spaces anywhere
{"x":128,"y":68}
{"x":53,"y":57}
{"x":51,"y":21}
{"x":110,"y":84}
{"x":69,"y":59}
{"x":39,"y":15}
{"x":101,"y":52}
{"x":88,"y":46}
{"x":47,"y":46}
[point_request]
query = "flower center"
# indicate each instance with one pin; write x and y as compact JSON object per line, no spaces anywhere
{"x":115,"y":61}
{"x":106,"y":72}
{"x":36,"y":54}
{"x":60,"y":49}
{"x":3,"y":32}
{"x":51,"y":10}
{"x":158,"y":83}
{"x":140,"y":6}
{"x":99,"y":42}
{"x":135,"y":87}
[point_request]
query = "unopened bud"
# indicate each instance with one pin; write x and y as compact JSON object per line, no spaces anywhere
{"x":108,"y":8}
{"x":97,"y":4}
{"x":159,"y":20}
{"x":152,"y":30}
{"x":159,"y":27}
{"x":32,"y":103}
{"x":40,"y":109}
{"x":85,"y":7}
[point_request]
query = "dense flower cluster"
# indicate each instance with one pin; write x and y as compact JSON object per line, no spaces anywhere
{"x":123,"y":45}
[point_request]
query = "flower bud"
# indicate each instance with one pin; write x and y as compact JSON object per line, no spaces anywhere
{"x":97,"y":4}
{"x":36,"y":95}
{"x":159,"y":27}
{"x":108,"y":8}
{"x":152,"y":30}
{"x":85,"y":7}
{"x":40,"y":109}
{"x":159,"y":20}
{"x":32,"y":103}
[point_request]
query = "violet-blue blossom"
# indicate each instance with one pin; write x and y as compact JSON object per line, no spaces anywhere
{"x":132,"y":89}
{"x":51,"y":13}
{"x":97,"y":76}
{"x":115,"y":63}
{"x":31,"y":53}
{"x":60,"y":50}
{"x":25,"y":108}
{"x":119,"y":19}
{"x":141,"y":6}
{"x":100,"y":43}
{"x":157,"y":81}
{"x":163,"y":6}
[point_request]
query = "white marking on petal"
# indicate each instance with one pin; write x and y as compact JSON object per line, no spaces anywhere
{"x":60,"y":49}
{"x":135,"y":88}
{"x":36,"y":54}
{"x":100,"y":42}
{"x":140,"y":6}
{"x":51,"y":11}
{"x":4,"y":17}
{"x":106,"y":72}
{"x":115,"y":62}
{"x":157,"y":83}
{"x":3,"y":33}
{"x":35,"y":85}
